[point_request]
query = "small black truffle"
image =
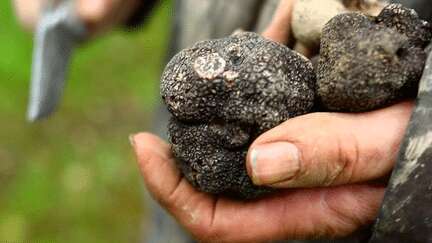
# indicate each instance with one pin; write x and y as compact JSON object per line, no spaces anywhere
{"x":371,"y":62}
{"x":224,"y":93}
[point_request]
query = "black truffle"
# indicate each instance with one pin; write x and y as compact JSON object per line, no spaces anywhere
{"x":224,"y":93}
{"x":371,"y":62}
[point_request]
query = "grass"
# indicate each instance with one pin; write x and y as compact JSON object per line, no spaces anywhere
{"x":73,"y":178}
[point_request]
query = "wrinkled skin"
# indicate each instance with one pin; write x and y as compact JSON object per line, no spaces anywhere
{"x":371,"y":62}
{"x":223,"y":94}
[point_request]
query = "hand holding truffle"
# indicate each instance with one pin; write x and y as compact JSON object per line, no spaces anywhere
{"x":248,"y":98}
{"x":224,"y":93}
{"x":316,"y":150}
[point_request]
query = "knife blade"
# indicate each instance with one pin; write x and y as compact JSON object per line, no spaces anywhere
{"x":57,"y":35}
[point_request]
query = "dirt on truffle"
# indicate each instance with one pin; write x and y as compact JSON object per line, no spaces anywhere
{"x":224,"y":93}
{"x":371,"y":62}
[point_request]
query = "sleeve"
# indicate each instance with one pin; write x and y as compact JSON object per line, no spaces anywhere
{"x":140,"y":14}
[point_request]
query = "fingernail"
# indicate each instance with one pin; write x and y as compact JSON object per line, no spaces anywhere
{"x":132,"y":140}
{"x":274,"y":163}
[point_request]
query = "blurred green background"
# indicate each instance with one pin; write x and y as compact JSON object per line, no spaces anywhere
{"x":73,"y":178}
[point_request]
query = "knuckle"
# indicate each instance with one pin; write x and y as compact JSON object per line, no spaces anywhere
{"x":346,"y":156}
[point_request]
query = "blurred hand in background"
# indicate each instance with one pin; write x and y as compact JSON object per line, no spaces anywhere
{"x":98,"y":15}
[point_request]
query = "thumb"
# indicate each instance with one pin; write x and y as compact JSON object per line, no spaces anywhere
{"x":324,"y":149}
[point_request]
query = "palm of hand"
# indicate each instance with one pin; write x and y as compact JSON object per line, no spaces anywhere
{"x":293,"y":214}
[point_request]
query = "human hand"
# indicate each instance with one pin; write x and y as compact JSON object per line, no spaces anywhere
{"x":98,"y":15}
{"x":323,"y":163}
{"x":345,"y":151}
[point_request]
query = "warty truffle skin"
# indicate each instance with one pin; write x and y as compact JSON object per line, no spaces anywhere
{"x":222,"y":94}
{"x":368,"y":62}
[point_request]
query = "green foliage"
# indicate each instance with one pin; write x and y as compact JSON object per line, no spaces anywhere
{"x":73,"y":178}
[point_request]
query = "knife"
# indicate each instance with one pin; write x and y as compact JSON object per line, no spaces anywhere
{"x":58,"y":33}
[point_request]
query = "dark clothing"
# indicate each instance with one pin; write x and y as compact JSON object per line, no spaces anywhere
{"x":140,"y":13}
{"x":423,"y":7}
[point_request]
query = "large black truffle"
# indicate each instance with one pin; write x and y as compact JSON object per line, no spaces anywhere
{"x":222,"y":94}
{"x":370,"y":62}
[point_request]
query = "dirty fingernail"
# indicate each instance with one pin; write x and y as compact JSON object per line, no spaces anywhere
{"x":274,"y":163}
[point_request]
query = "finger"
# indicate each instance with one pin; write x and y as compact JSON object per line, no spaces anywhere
{"x":28,"y":12}
{"x":165,"y":183}
{"x":323,"y":149}
{"x":156,"y":165}
{"x":280,"y":27}
{"x":93,"y":11}
{"x":297,"y":214}
{"x":101,"y":14}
